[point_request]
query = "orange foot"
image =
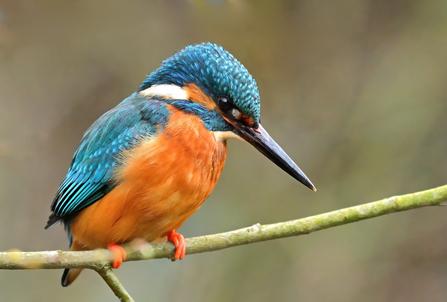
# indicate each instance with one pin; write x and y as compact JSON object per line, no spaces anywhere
{"x":119,"y":254}
{"x":179,"y":242}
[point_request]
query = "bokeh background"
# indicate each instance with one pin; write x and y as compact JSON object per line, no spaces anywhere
{"x":354,"y":90}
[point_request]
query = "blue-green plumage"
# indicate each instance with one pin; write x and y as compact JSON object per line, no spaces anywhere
{"x":215,"y":71}
{"x":90,"y":176}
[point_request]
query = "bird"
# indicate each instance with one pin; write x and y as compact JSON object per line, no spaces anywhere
{"x":145,"y":166}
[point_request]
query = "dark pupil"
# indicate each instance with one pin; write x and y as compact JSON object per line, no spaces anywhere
{"x":225,"y":105}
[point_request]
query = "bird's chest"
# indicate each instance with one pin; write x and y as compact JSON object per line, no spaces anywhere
{"x":167,"y":178}
{"x":161,"y":183}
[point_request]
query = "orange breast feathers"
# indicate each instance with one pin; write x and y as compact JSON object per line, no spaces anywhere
{"x":161,"y":183}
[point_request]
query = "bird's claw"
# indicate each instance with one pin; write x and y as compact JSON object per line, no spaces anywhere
{"x":180,"y":246}
{"x":119,"y":254}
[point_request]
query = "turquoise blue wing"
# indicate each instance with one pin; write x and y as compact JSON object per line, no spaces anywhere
{"x":91,"y":174}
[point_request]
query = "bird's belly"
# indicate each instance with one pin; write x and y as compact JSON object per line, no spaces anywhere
{"x":161,"y":184}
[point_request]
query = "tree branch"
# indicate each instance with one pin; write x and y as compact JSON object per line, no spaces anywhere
{"x":112,"y":281}
{"x":99,"y":260}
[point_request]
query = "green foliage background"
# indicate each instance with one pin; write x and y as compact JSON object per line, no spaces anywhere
{"x":354,"y":90}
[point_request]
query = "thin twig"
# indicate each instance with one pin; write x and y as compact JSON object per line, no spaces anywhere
{"x":99,"y":260}
{"x":112,"y":281}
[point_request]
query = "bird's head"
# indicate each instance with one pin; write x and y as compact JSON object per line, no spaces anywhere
{"x":208,"y":81}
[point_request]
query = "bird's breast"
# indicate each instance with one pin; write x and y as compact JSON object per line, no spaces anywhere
{"x":160,"y":184}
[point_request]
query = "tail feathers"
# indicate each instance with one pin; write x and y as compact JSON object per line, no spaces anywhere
{"x":70,"y":275}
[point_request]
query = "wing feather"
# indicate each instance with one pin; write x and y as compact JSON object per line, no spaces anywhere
{"x":91,"y":175}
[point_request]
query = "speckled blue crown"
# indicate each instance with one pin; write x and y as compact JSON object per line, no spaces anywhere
{"x":215,"y":71}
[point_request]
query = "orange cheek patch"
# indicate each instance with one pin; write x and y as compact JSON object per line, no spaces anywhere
{"x":196,"y":95}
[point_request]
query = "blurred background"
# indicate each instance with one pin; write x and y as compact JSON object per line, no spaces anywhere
{"x":354,"y":90}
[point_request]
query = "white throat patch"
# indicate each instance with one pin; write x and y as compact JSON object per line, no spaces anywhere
{"x":224,"y":135}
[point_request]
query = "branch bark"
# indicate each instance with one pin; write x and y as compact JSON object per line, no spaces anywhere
{"x":115,"y":285}
{"x":99,"y":260}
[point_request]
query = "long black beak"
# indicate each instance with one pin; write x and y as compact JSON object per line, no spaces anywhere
{"x":261,"y":140}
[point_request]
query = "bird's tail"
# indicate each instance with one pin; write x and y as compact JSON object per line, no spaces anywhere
{"x":70,"y":274}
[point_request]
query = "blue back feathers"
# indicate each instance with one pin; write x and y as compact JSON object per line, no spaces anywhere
{"x":215,"y":71}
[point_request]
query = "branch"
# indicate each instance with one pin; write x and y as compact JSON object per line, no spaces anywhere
{"x":99,"y":260}
{"x":112,"y":281}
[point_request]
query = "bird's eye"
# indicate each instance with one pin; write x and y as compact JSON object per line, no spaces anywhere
{"x":227,"y":107}
{"x":225,"y":104}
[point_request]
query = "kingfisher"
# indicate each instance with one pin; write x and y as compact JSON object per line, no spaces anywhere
{"x":148,"y":164}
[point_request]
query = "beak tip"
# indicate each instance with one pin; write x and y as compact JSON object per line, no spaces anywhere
{"x":306,"y":181}
{"x":310,"y":186}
